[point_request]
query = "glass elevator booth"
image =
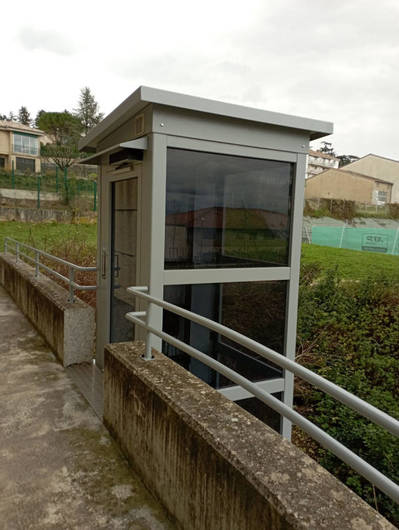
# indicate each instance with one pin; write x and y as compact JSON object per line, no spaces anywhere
{"x":202,"y":202}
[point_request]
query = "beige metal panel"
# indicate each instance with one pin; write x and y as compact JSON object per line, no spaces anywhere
{"x":188,"y":124}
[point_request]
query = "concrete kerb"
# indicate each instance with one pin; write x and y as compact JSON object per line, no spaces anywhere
{"x":69,"y":328}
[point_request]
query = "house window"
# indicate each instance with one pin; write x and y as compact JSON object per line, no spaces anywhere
{"x":382,"y":197}
{"x":25,"y":164}
{"x":2,"y":162}
{"x":26,"y":144}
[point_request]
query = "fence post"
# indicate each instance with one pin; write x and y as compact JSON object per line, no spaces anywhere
{"x":66,"y":184}
{"x":37,"y":256}
{"x":38,"y":191}
{"x":94,"y":196}
{"x":12,"y":175}
{"x":56,"y":179}
{"x":71,"y":280}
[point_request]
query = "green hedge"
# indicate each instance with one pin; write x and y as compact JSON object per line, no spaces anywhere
{"x":348,"y":332}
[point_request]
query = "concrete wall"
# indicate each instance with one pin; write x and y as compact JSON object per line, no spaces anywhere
{"x":338,"y":184}
{"x":67,"y":327}
{"x":34,"y":215}
{"x":8,"y":193}
{"x":212,"y":464}
{"x":378,"y":167}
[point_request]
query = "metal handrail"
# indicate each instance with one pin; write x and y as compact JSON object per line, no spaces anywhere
{"x":362,"y":407}
{"x":72,"y":267}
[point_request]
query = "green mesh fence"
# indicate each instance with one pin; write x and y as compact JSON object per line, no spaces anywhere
{"x":368,"y":239}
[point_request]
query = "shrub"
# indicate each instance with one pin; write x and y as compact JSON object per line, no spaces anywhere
{"x":348,"y":332}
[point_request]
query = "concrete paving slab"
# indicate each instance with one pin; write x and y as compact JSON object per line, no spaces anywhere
{"x":59,"y":467}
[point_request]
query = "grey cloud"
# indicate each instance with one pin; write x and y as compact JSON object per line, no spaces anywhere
{"x":51,"y":41}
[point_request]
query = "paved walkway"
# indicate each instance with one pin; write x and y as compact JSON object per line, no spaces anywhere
{"x":59,"y":468}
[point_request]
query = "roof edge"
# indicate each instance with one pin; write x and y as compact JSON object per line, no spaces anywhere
{"x":147,"y":95}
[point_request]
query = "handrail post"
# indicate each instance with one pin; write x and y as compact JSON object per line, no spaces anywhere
{"x":71,"y":281}
{"x":37,"y":257}
{"x":148,"y":349}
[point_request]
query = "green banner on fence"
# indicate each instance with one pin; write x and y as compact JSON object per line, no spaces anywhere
{"x":369,"y":239}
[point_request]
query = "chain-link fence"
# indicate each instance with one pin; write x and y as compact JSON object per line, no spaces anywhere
{"x":381,"y":240}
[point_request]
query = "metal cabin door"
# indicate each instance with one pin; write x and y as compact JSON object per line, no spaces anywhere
{"x":123,"y":256}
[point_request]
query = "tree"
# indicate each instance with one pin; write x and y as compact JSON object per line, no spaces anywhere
{"x":38,"y":117}
{"x":24,"y":116}
{"x":88,"y":110}
{"x":64,"y":130}
{"x":327,"y":148}
{"x":3,"y":117}
{"x":64,"y":156}
{"x":11,"y":116}
{"x":347,"y":159}
{"x":61,"y":127}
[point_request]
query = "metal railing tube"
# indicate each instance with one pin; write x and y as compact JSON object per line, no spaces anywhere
{"x":37,"y":258}
{"x":36,"y":261}
{"x":362,"y":407}
{"x":346,"y":455}
{"x":71,"y":283}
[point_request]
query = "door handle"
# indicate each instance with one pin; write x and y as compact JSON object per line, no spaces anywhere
{"x":116,"y":266}
{"x":104,"y":265}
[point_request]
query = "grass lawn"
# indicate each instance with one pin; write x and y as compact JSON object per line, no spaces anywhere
{"x":50,"y":236}
{"x":78,"y":242}
{"x":352,"y":264}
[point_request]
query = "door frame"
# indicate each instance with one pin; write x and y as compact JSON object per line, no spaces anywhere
{"x":103,"y":306}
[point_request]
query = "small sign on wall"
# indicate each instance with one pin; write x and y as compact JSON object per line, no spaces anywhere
{"x":375,"y":243}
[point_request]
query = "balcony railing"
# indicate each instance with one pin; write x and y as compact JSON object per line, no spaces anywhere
{"x":367,"y":410}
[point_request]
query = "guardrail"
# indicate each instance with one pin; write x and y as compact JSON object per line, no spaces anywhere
{"x":362,"y":407}
{"x":72,"y":268}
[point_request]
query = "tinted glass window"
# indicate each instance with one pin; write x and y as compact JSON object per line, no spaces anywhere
{"x":255,"y":309}
{"x":25,"y":164}
{"x":226,"y":211}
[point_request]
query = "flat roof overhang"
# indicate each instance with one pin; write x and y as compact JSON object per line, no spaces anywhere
{"x":144,"y":96}
{"x":135,"y":148}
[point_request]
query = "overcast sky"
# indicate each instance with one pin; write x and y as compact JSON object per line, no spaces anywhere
{"x":335,"y":60}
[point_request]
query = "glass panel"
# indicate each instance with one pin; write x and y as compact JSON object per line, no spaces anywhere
{"x":226,"y":211}
{"x":256,"y":309}
{"x":123,"y":257}
{"x":262,"y":412}
{"x":25,"y":164}
{"x":24,"y":143}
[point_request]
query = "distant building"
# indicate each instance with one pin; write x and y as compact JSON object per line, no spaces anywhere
{"x":19,"y":146}
{"x":319,"y":161}
{"x":348,"y":185}
{"x":378,"y":167}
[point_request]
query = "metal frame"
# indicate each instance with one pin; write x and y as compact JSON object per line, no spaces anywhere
{"x":362,"y":407}
{"x":224,"y":275}
{"x":72,"y":285}
{"x":108,"y":177}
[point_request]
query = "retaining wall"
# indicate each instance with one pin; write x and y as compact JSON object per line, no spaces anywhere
{"x":69,"y":328}
{"x":212,"y":464}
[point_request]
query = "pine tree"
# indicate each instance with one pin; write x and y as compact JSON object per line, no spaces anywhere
{"x":88,"y":110}
{"x":24,"y":116}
